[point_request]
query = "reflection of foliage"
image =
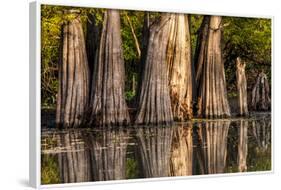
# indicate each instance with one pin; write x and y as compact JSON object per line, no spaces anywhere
{"x":131,"y":168}
{"x":261,"y":160}
{"x":49,"y":170}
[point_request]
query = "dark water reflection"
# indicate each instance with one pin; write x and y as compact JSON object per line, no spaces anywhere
{"x":193,"y":148}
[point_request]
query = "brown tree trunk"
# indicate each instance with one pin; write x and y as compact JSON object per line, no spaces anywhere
{"x":260,"y":94}
{"x":73,"y":91}
{"x":180,"y":66}
{"x":241,"y":83}
{"x":182,"y":151}
{"x":210,"y":77}
{"x":243,"y":146}
{"x":154,"y":99}
{"x":107,"y":96}
{"x":154,"y":147}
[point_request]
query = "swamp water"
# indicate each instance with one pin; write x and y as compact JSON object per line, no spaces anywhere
{"x":184,"y":149}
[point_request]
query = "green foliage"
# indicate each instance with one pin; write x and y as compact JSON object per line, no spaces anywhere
{"x":49,"y":170}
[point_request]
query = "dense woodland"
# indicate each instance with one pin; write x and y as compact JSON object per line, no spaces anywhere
{"x":117,"y":67}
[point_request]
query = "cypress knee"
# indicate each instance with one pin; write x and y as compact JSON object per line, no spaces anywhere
{"x":73,"y":91}
{"x":241,"y":83}
{"x":108,"y":103}
{"x":154,"y":99}
{"x":210,"y":75}
{"x":180,"y":66}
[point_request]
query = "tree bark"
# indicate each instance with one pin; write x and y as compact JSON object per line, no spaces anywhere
{"x":241,"y":83}
{"x":210,"y":77}
{"x":107,"y":97}
{"x":154,"y":99}
{"x":260,"y":94}
{"x":180,"y":66}
{"x":73,"y":91}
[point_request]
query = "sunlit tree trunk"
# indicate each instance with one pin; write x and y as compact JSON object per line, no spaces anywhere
{"x":154,"y":99}
{"x":74,"y":163}
{"x":154,"y":147}
{"x":213,"y":135}
{"x":108,"y":154}
{"x":260,"y":93}
{"x":107,"y":97}
{"x":180,"y":66}
{"x":211,"y":85}
{"x":243,"y":146}
{"x":73,"y":90}
{"x":182,"y":151}
{"x":241,"y":82}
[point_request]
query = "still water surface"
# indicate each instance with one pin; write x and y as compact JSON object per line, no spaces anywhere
{"x":190,"y":148}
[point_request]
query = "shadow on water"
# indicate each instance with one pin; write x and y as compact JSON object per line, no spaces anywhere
{"x":191,"y":148}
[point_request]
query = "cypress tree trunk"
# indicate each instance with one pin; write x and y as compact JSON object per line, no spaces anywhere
{"x":154,"y":99}
{"x":107,"y":97}
{"x":260,"y":94}
{"x":73,"y":91}
{"x":243,"y":146}
{"x":182,"y":151}
{"x":210,"y":77}
{"x":180,"y":66}
{"x":241,"y":83}
{"x":155,"y":147}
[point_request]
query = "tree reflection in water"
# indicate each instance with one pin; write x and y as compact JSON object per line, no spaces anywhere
{"x":74,"y":162}
{"x":262,"y":133}
{"x":211,"y":151}
{"x":243,"y":146}
{"x":93,"y":156}
{"x":182,"y":150}
{"x":154,"y":147}
{"x":190,"y":148}
{"x":108,"y":154}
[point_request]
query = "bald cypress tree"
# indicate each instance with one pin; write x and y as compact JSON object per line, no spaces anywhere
{"x":180,"y":66}
{"x":107,"y":93}
{"x":73,"y":91}
{"x":154,"y":99}
{"x":210,"y":75}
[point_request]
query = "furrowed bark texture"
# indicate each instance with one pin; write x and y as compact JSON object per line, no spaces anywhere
{"x":107,"y":96}
{"x":243,"y":146}
{"x":210,"y":77}
{"x":241,"y":83}
{"x":260,"y":94}
{"x":73,"y":91}
{"x":154,"y":147}
{"x":182,"y":151}
{"x":154,"y":99}
{"x":212,"y":137}
{"x":180,"y":66}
